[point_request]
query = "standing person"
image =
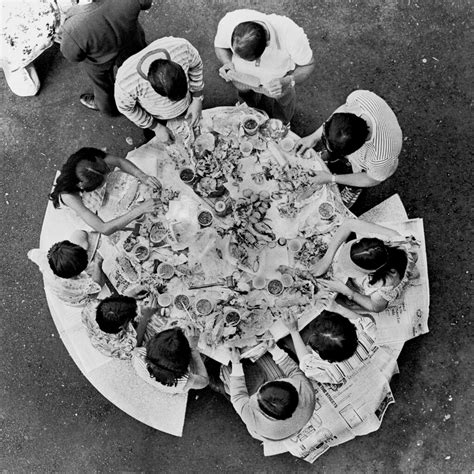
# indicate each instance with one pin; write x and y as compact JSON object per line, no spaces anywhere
{"x":101,"y":34}
{"x":273,"y":49}
{"x":362,"y":140}
{"x":161,"y":82}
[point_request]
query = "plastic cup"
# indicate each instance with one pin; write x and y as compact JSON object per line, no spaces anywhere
{"x":275,"y":287}
{"x":295,"y":245}
{"x":232,"y":317}
{"x":259,"y":282}
{"x":326,"y":210}
{"x":250,"y":125}
{"x":181,"y":302}
{"x":187,"y":176}
{"x":205,"y":218}
{"x":287,"y":280}
{"x":287,"y":144}
{"x":165,"y":300}
{"x":246,"y":148}
{"x":165,"y":271}
{"x":204,"y":306}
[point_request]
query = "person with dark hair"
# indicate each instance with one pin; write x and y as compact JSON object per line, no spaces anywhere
{"x":278,"y":408}
{"x":161,"y":82}
{"x":110,"y":325}
{"x":69,"y":270}
{"x":264,"y":56}
{"x":101,"y":35}
{"x":361,"y":143}
{"x":332,"y":349}
{"x":81,"y":187}
{"x":171,"y":362}
{"x":377,"y":270}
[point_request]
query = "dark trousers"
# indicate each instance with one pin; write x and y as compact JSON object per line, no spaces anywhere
{"x":282,"y":108}
{"x":102,"y":75}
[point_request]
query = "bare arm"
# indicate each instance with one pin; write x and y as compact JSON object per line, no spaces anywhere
{"x":74,"y":202}
{"x":128,"y":167}
{"x":200,"y":377}
{"x":223,"y":55}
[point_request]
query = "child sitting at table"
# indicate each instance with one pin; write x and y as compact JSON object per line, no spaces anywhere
{"x":171,"y":362}
{"x":68,"y":269}
{"x":377,"y":270}
{"x":110,"y":325}
{"x":82,"y":183}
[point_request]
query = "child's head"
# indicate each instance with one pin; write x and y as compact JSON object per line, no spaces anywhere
{"x":278,"y":399}
{"x":168,"y":355}
{"x":378,"y":259}
{"x":334,"y":337}
{"x":66,"y":259}
{"x":115,"y":312}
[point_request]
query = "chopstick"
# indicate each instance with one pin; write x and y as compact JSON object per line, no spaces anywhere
{"x":189,"y":315}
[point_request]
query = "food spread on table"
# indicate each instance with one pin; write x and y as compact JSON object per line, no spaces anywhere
{"x":231,"y":242}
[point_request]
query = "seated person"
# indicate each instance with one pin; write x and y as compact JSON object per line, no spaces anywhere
{"x":171,"y":362}
{"x":378,"y":270}
{"x":331,"y":338}
{"x":67,"y":268}
{"x":277,"y":409}
{"x":110,"y":325}
{"x":361,"y":142}
{"x":81,"y":187}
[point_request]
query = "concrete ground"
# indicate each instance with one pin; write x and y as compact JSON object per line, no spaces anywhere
{"x":414,"y":54}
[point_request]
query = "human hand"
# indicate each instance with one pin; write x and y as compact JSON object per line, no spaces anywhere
{"x":304,"y":144}
{"x":193,"y":335}
{"x":149,"y":205}
{"x":223,"y":71}
{"x":334,"y":285}
{"x":151,"y":181}
{"x":320,"y":267}
{"x":164,"y":134}
{"x":234,"y":354}
{"x":194,"y":112}
{"x":290,"y":321}
{"x":274,"y":87}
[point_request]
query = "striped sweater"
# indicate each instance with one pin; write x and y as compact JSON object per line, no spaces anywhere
{"x":134,"y":95}
{"x":378,"y":156}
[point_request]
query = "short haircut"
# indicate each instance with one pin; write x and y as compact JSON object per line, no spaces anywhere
{"x":67,"y":260}
{"x":334,"y":337}
{"x":168,"y":79}
{"x":278,"y":399}
{"x":346,"y":133}
{"x":168,"y":356}
{"x":249,"y":40}
{"x":115,"y":312}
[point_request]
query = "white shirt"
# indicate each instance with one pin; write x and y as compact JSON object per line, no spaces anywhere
{"x":288,"y":45}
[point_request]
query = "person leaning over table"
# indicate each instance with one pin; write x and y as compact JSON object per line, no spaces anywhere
{"x":271,"y":47}
{"x":161,"y":82}
{"x":279,"y":408}
{"x":377,"y":271}
{"x":115,"y":324}
{"x":171,"y":362}
{"x":69,"y":268}
{"x":362,"y":141}
{"x":101,"y":35}
{"x":82,"y":183}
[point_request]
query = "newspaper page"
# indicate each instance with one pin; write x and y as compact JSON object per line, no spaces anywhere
{"x":407,"y":318}
{"x":342,"y":412}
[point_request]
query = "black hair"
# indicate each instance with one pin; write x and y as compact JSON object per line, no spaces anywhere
{"x":334,"y":337}
{"x":345,"y":133}
{"x":168,"y":79}
{"x":278,"y":399}
{"x":66,"y":259}
{"x":249,"y":40}
{"x":168,"y":355}
{"x":68,"y":180}
{"x":372,"y":254}
{"x":115,"y":312}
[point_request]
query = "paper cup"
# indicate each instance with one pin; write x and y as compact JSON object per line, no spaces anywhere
{"x":250,"y":125}
{"x":246,"y":148}
{"x":287,"y":280}
{"x":275,"y":287}
{"x":187,"y":176}
{"x":204,"y":306}
{"x":287,"y":144}
{"x":181,"y":302}
{"x":165,"y":271}
{"x":326,"y":210}
{"x":295,"y":245}
{"x":259,"y":282}
{"x":165,"y":300}
{"x":232,"y":317}
{"x":205,"y":218}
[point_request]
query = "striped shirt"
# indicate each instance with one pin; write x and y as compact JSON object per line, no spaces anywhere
{"x":134,"y":95}
{"x":378,"y":156}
